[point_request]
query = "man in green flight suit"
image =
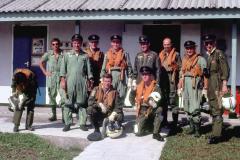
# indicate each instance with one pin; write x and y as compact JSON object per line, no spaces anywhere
{"x":191,"y":82}
{"x":147,"y":97}
{"x":218,"y":73}
{"x":75,"y":74}
{"x":24,"y":89}
{"x":53,"y":59}
{"x":117,"y":63}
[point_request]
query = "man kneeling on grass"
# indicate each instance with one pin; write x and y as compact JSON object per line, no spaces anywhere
{"x":104,"y":104}
{"x":147,"y":96}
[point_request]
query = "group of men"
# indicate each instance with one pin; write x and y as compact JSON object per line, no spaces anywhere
{"x":95,"y":84}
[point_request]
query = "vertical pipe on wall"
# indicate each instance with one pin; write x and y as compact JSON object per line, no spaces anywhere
{"x":234,"y":59}
{"x":77,"y":27}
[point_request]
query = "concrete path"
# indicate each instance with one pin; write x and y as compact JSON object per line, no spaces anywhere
{"x":127,"y":147}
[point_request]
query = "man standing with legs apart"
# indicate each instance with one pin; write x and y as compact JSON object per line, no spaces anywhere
{"x":171,"y":64}
{"x":50,"y":64}
{"x":218,"y":73}
{"x":192,"y":83}
{"x":75,"y":74}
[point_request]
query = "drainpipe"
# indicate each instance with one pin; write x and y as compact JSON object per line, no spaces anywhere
{"x":77,"y":27}
{"x":234,"y":59}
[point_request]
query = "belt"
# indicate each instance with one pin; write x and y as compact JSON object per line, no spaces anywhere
{"x":115,"y":69}
{"x":188,"y":76}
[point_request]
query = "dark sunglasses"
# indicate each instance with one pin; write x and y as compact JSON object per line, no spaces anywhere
{"x":55,"y":44}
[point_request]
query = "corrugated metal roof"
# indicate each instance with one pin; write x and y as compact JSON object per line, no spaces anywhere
{"x":145,"y":4}
{"x":22,"y":5}
{"x":61,"y":5}
{"x":4,"y":2}
{"x":100,"y":5}
{"x":203,"y":4}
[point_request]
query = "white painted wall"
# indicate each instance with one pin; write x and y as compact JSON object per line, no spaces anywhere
{"x":6,"y":52}
{"x":105,"y":29}
{"x":190,"y":32}
{"x":130,"y":40}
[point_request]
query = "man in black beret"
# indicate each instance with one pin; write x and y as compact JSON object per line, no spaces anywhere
{"x":96,"y":58}
{"x":217,"y":74}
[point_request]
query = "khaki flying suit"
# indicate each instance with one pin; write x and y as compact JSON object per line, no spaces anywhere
{"x":171,"y":64}
{"x":29,"y":97}
{"x":192,"y":76}
{"x":146,"y":115}
{"x":77,"y":70}
{"x":151,"y":60}
{"x":218,"y":68}
{"x":96,"y":60}
{"x":110,"y":99}
{"x":53,"y":82}
{"x":118,"y":65}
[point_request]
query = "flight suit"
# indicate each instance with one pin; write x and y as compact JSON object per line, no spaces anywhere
{"x":151,"y":60}
{"x":29,"y":97}
{"x":96,"y":60}
{"x":192,"y":91}
{"x":53,"y":81}
{"x":218,"y":71}
{"x":77,"y":71}
{"x":118,"y":73}
{"x":171,"y":64}
{"x":110,"y":99}
{"x":148,"y":116}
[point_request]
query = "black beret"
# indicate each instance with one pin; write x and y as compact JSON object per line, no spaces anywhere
{"x":93,"y":37}
{"x":116,"y":37}
{"x":77,"y":37}
{"x":146,"y":70}
{"x":189,"y":44}
{"x":143,"y":39}
{"x":209,"y":38}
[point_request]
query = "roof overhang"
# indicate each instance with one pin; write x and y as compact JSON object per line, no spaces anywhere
{"x":123,"y":15}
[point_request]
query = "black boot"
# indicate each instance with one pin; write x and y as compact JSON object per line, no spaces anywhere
{"x":53,"y":118}
{"x":15,"y":129}
{"x":191,"y":129}
{"x":174,"y":126}
{"x":197,"y":130}
{"x":83,"y":128}
{"x":158,"y":137}
{"x":66,"y":128}
{"x":214,"y":140}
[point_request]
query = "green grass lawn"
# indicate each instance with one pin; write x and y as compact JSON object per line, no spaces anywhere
{"x":187,"y":147}
{"x":16,"y":146}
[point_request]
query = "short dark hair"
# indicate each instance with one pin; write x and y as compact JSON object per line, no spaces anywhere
{"x":20,"y":78}
{"x":55,"y":40}
{"x":107,"y":75}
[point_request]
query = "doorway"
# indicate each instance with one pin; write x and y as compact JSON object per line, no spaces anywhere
{"x":28,"y":47}
{"x":157,"y":33}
